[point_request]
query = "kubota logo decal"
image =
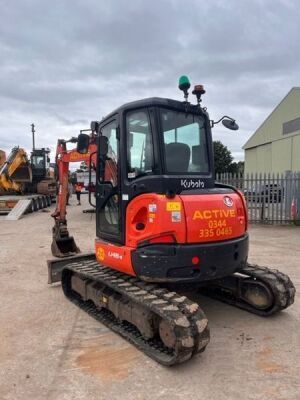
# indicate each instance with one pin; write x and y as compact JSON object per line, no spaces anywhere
{"x":192,"y":183}
{"x":228,"y":201}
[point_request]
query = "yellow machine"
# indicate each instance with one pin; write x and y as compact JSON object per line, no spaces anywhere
{"x":15,"y":171}
{"x":2,"y":157}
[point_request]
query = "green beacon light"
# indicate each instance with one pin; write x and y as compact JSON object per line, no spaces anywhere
{"x":184,"y":85}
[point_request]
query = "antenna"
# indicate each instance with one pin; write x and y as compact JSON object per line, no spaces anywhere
{"x":33,"y":141}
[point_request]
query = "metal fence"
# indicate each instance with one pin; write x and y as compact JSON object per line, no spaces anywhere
{"x":271,"y":198}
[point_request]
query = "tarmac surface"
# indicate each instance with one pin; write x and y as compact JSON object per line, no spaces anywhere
{"x":51,"y":350}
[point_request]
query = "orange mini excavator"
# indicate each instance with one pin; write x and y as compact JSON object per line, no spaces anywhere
{"x":163,"y":227}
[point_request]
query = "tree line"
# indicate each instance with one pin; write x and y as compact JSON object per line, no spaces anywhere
{"x":224,"y":160}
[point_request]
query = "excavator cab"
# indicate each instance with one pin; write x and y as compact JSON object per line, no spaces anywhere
{"x":156,"y":146}
{"x":40,"y":163}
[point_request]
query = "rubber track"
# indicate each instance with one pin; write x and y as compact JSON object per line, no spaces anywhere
{"x":279,"y":283}
{"x":189,"y":323}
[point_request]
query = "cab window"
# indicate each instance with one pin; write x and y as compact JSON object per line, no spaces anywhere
{"x":139,"y":144}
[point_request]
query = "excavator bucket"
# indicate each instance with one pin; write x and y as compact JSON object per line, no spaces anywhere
{"x":63,"y":245}
{"x":22,"y":174}
{"x":18,"y":166}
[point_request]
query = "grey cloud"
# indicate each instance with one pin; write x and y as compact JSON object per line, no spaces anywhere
{"x":65,"y":63}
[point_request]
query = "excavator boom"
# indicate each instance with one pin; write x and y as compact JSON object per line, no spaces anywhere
{"x":63,"y":245}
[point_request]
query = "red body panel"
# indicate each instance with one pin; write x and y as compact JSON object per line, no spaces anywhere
{"x":152,"y":210}
{"x":116,"y":257}
{"x":189,"y":218}
{"x":215,"y":217}
{"x":185,"y":219}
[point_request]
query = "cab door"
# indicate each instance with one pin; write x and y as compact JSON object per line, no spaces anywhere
{"x":108,"y":194}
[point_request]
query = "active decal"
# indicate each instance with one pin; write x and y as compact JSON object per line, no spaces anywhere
{"x":215,"y":213}
{"x":210,"y":232}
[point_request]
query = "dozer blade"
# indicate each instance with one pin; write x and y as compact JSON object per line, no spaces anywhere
{"x":55,"y":266}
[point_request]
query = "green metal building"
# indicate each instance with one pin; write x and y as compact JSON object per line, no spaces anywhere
{"x":275,"y":146}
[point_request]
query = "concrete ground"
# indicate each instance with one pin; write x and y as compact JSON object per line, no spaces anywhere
{"x":51,"y":350}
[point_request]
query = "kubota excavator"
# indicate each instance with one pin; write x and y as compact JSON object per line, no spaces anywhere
{"x":163,"y":225}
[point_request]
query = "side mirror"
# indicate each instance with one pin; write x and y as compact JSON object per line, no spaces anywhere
{"x":230,"y":124}
{"x":95,"y":126}
{"x":103,"y":146}
{"x":83,"y":142}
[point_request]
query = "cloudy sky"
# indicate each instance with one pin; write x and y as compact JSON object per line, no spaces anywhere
{"x":65,"y":63}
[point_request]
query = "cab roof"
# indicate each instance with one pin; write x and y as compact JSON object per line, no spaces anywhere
{"x":152,"y":101}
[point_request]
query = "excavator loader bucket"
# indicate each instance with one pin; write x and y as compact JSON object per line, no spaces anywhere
{"x":63,"y":245}
{"x":22,"y":174}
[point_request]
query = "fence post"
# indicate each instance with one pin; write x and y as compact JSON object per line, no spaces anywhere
{"x":297,"y":197}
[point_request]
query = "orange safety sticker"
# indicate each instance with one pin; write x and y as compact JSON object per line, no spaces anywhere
{"x":100,"y":253}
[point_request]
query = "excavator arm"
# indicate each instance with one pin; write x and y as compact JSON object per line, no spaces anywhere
{"x":63,"y":245}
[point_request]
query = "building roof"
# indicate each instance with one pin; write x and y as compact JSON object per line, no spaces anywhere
{"x":258,"y":138}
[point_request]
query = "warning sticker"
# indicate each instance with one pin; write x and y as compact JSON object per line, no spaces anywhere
{"x":176,"y":216}
{"x":152,"y":208}
{"x":173,"y":206}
